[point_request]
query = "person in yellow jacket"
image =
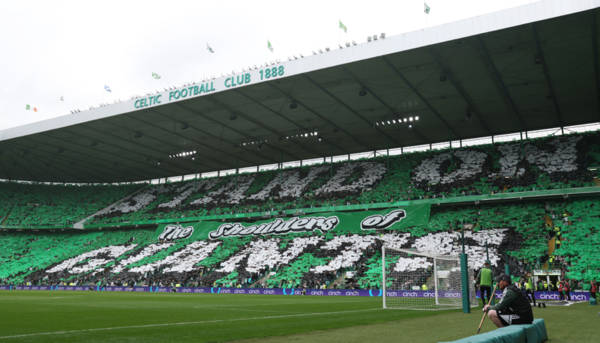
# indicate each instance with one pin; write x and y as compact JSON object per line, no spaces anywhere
{"x":484,"y":281}
{"x":529,"y":288}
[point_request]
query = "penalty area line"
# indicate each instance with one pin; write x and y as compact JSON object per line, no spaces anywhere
{"x":67,"y":332}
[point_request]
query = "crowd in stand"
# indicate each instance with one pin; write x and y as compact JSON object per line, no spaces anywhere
{"x":516,"y":234}
{"x":548,"y":163}
{"x":536,"y":165}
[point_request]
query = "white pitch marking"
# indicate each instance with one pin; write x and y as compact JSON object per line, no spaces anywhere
{"x":180,"y":323}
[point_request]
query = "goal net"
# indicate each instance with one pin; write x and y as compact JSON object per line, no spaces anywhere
{"x":421,"y":281}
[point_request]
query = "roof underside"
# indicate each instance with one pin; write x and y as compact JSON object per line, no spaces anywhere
{"x":529,"y":77}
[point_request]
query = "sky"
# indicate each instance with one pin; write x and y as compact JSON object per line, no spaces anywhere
{"x":57,"y":56}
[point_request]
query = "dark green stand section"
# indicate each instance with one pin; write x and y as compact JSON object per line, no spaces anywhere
{"x":530,"y":333}
{"x":466,"y":304}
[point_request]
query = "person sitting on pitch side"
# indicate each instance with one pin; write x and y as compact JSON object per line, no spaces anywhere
{"x":513,"y":308}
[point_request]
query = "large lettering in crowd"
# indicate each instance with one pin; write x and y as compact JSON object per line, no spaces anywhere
{"x":277,"y":226}
{"x":557,"y":156}
{"x":341,"y":246}
{"x":350,"y":178}
{"x":448,"y":169}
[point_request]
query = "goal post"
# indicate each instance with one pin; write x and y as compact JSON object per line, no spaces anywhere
{"x":422,"y":281}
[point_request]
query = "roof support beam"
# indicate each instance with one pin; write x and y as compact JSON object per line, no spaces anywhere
{"x":207,"y":133}
{"x":385,"y":104}
{"x":552,"y":94}
{"x":125,"y":159}
{"x":256,"y":122}
{"x":487,"y":59}
{"x":460,"y":89}
{"x":47,"y":159}
{"x":370,"y":124}
{"x":21,"y":166}
{"x":299,"y":126}
{"x":184,"y":107}
{"x":3,"y":171}
{"x":420,"y":96}
{"x":213,"y":147}
{"x":595,"y":58}
{"x":175,"y":149}
{"x":162,"y":158}
{"x":53,"y":155}
{"x":323,"y":118}
{"x":279,"y":134}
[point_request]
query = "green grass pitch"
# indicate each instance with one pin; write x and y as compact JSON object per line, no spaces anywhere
{"x":62,"y":316}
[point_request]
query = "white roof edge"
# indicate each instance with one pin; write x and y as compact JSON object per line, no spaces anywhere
{"x":495,"y":21}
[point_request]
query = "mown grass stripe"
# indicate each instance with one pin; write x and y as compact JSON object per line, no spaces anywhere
{"x":67,"y":332}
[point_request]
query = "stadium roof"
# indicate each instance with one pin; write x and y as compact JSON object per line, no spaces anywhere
{"x":525,"y":68}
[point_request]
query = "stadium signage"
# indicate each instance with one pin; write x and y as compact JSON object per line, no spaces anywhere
{"x":277,"y":226}
{"x":380,"y":222}
{"x":148,"y":101}
{"x":576,"y":296}
{"x":246,"y":78}
{"x":205,"y":88}
{"x":174,"y":232}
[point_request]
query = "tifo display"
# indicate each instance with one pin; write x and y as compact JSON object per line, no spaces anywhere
{"x":318,"y":227}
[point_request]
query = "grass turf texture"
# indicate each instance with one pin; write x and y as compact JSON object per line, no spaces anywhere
{"x":38,"y":316}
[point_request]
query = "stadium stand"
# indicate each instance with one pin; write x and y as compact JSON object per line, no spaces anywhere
{"x":47,"y":206}
{"x":516,"y":234}
{"x":453,"y":182}
{"x":551,"y":163}
{"x":548,"y":163}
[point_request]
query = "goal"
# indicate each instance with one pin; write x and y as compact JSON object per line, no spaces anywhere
{"x":421,"y":281}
